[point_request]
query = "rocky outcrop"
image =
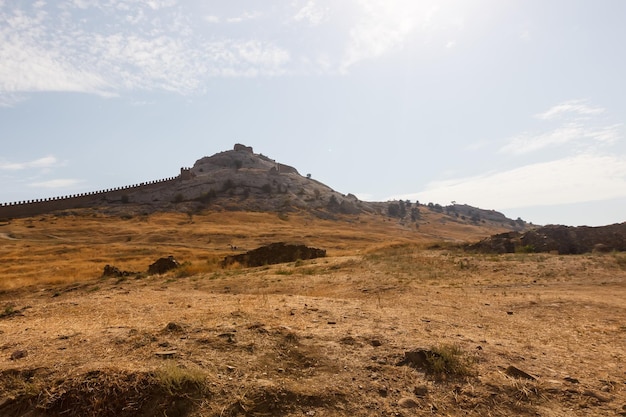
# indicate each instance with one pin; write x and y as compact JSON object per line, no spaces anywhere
{"x":113,"y":271}
{"x":555,"y":238}
{"x":274,"y":253}
{"x":162,"y":265}
{"x":243,"y":148}
{"x":286,"y":169}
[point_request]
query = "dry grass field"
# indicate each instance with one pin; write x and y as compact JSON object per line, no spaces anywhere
{"x":334,"y":336}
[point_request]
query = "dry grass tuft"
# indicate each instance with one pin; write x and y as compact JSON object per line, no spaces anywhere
{"x":179,"y":380}
{"x":449,"y":361}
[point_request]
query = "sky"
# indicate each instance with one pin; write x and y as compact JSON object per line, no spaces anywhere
{"x":512,"y":105}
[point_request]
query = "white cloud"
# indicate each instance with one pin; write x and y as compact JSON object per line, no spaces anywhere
{"x":579,"y":126}
{"x":581,"y":174}
{"x":48,"y":50}
{"x":311,"y":13}
{"x":261,"y":54}
{"x":577,"y":108}
{"x":10,"y":99}
{"x":56,"y":183}
{"x":31,"y":63}
{"x":115,"y":46}
{"x":136,"y":62}
{"x":245,"y":17}
{"x":562,"y":135}
{"x":156,"y":5}
{"x":384,"y":25}
{"x":388,"y":25}
{"x":569,"y":180}
{"x":41,"y":163}
{"x":211,"y":19}
{"x":120,"y":5}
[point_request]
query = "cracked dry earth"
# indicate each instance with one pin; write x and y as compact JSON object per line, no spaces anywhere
{"x":325,"y":338}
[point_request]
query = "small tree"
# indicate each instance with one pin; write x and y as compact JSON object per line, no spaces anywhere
{"x":402,"y":207}
{"x":415,"y":214}
{"x":207,"y":197}
{"x":393,"y":209}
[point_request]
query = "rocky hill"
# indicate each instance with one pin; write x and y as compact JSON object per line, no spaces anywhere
{"x":241,"y":180}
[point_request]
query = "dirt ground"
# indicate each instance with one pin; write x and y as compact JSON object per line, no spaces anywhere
{"x":325,"y":337}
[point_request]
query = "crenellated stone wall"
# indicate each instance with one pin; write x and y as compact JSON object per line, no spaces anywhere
{"x":82,"y":200}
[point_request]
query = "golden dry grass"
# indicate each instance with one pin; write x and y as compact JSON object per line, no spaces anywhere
{"x":320,"y":337}
{"x":77,"y":245}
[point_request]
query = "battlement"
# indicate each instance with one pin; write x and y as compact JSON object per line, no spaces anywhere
{"x":186,"y":174}
{"x":34,"y":207}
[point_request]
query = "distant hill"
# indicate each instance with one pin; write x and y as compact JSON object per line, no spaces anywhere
{"x":242,"y":180}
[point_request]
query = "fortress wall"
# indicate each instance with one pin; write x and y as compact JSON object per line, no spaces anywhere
{"x":74,"y":201}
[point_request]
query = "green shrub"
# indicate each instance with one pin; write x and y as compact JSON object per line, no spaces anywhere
{"x":526,"y":249}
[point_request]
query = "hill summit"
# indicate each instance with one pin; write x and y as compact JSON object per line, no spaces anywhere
{"x":242,"y":180}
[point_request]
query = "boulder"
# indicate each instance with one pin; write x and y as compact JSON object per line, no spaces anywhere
{"x":162,"y":265}
{"x":419,"y":358}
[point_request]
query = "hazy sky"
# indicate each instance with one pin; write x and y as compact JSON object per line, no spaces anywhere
{"x":512,"y":105}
